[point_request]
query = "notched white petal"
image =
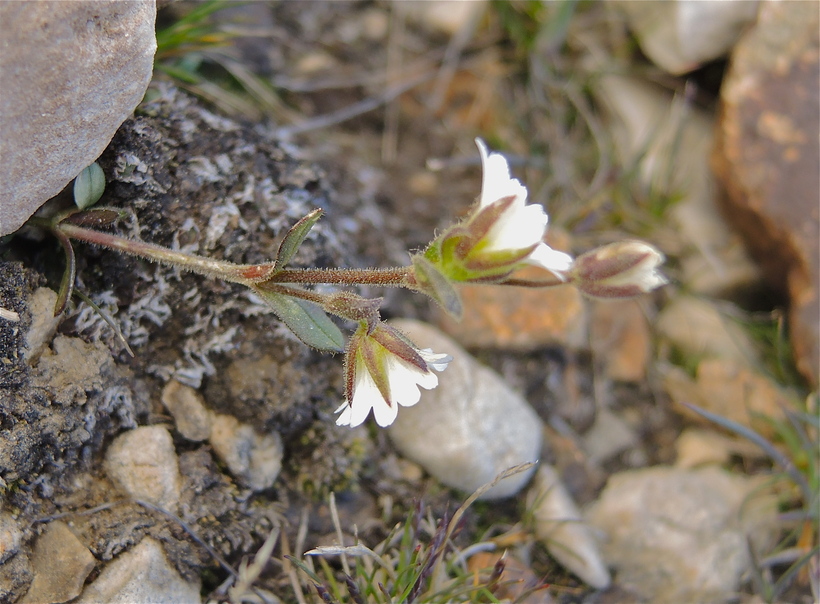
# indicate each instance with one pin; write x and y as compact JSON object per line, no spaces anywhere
{"x":496,"y":182}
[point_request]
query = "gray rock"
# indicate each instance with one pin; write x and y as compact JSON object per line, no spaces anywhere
{"x":679,"y":36}
{"x":193,"y":420}
{"x":60,"y":563}
{"x":471,"y":427}
{"x":141,"y":575}
{"x":253,"y":458}
{"x":71,"y":73}
{"x":559,"y":524}
{"x":143,"y":464}
{"x":681,"y":535}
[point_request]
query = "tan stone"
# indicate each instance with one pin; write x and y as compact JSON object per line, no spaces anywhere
{"x":143,"y":463}
{"x":620,"y":338}
{"x":60,"y":563}
{"x":193,"y":420}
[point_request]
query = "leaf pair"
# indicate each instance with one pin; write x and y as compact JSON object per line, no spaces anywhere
{"x":307,"y":320}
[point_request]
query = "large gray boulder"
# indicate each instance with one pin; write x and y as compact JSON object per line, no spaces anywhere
{"x":70,"y":74}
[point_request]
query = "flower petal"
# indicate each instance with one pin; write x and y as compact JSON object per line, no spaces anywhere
{"x":554,"y":261}
{"x":519,"y":227}
{"x":495,"y":181}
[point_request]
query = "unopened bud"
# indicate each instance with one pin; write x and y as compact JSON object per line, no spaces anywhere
{"x":618,"y":270}
{"x":353,"y":307}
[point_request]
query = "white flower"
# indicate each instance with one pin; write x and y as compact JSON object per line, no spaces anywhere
{"x":520,"y":225}
{"x":384,"y":370}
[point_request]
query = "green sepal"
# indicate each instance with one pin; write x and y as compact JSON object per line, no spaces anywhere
{"x":306,"y":320}
{"x":488,"y":263}
{"x":295,"y":236}
{"x":89,"y":186}
{"x":432,"y":282}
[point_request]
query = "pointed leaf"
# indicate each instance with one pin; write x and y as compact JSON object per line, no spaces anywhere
{"x":295,"y":236}
{"x":433,"y":283}
{"x":89,"y":186}
{"x":306,"y":320}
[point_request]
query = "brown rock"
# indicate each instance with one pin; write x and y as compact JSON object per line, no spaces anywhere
{"x":620,"y":338}
{"x":520,"y":318}
{"x":731,"y":390}
{"x":767,"y":157}
{"x":61,"y":564}
{"x":71,"y":73}
{"x":510,"y":318}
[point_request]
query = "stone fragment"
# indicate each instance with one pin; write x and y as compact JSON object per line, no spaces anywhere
{"x":609,"y":436}
{"x":681,"y":35}
{"x":10,"y":536}
{"x":767,"y":154}
{"x":733,"y":391}
{"x":696,"y":448}
{"x":471,"y":427}
{"x":254,"y":459}
{"x":60,"y":563}
{"x":192,"y":418}
{"x":445,"y":16}
{"x":561,"y":527}
{"x":682,"y":535}
{"x":699,"y":329}
{"x":652,"y":132}
{"x":620,"y":338}
{"x":141,"y":575}
{"x":43,"y":322}
{"x":71,"y":73}
{"x":143,"y":464}
{"x":518,"y":318}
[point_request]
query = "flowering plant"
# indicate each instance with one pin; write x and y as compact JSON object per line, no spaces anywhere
{"x":383,"y":369}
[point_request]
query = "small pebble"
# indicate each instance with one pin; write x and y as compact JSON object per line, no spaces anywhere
{"x":254,"y":459}
{"x":561,"y":527}
{"x":143,"y":463}
{"x":192,"y":418}
{"x":141,"y":574}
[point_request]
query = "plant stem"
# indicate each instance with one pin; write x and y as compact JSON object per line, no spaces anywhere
{"x":392,"y":277}
{"x":246,"y":274}
{"x":150,"y":251}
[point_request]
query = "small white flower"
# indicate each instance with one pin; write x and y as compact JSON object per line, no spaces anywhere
{"x":384,"y":370}
{"x":521,"y":225}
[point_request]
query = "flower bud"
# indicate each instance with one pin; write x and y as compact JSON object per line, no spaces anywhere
{"x":353,"y":307}
{"x":618,"y":270}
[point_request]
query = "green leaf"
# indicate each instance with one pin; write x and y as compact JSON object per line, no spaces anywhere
{"x":306,"y":320}
{"x":433,"y":283}
{"x":89,"y":186}
{"x":295,"y":236}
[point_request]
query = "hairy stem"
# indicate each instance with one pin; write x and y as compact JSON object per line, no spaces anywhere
{"x":394,"y":277}
{"x":246,"y":274}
